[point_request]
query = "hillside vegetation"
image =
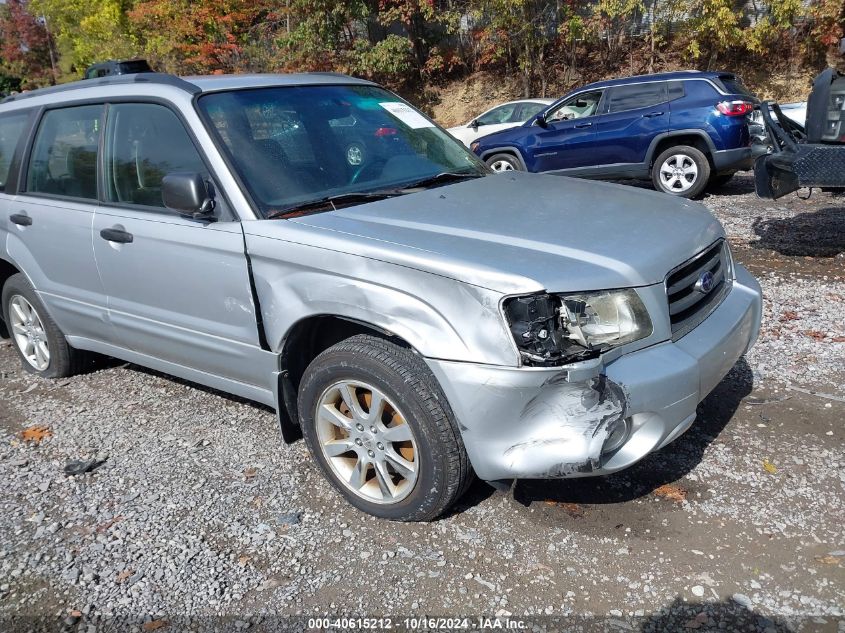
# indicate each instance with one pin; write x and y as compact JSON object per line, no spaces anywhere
{"x":439,"y":53}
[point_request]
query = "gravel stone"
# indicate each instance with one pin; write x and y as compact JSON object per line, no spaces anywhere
{"x":160,"y":530}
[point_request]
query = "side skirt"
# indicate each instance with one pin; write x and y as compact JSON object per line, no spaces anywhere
{"x":264,"y":395}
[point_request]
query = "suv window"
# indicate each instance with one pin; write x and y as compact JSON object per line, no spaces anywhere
{"x":577,"y":107}
{"x":144,"y":143}
{"x":636,"y":96}
{"x":11,"y":128}
{"x":502,"y":114}
{"x":64,"y":156}
{"x":675,"y":90}
{"x":733,"y":85}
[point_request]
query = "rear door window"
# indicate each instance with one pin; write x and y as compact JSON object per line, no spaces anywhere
{"x":11,"y":129}
{"x":144,"y":143}
{"x":64,"y":156}
{"x":636,"y":96}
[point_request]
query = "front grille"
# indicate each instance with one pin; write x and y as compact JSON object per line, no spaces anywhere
{"x":689,"y":305}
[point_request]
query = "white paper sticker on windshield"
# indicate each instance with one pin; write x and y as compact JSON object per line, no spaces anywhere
{"x":406,"y":114}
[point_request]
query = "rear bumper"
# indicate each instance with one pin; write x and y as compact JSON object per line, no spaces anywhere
{"x":739,"y":159}
{"x":532,"y":423}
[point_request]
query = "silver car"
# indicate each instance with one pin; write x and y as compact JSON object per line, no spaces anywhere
{"x":417,"y":318}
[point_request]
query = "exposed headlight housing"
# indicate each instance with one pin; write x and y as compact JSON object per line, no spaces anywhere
{"x":557,"y":329}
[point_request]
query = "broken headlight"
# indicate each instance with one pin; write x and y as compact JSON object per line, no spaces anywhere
{"x":558,"y":329}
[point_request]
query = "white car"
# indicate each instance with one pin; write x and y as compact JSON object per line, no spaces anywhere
{"x":796,"y":111}
{"x":502,"y":117}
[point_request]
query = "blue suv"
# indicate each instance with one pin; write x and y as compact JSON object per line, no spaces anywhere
{"x":683,"y":130}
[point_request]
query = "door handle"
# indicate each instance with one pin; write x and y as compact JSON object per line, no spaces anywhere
{"x":582,"y":125}
{"x":117,"y":235}
{"x":651,"y":115}
{"x":21,"y":219}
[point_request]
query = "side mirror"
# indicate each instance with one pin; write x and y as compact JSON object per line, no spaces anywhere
{"x":541,"y":120}
{"x":581,"y":103}
{"x":474,"y":124}
{"x":189,"y":194}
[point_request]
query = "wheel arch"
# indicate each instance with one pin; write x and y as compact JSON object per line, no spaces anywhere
{"x":7,"y":269}
{"x":511,"y":150}
{"x":694,"y":138}
{"x":304,"y":341}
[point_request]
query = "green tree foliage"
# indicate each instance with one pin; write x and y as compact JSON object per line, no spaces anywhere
{"x":713,"y":28}
{"x":87,"y":31}
{"x":198,"y":37}
{"x":407,"y":42}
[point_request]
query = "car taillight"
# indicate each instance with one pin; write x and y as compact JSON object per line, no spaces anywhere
{"x":386,"y":131}
{"x":735,"y":108}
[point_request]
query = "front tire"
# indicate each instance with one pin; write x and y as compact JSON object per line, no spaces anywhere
{"x":381,"y":431}
{"x":681,"y":171}
{"x":39,"y":342}
{"x":503,"y":162}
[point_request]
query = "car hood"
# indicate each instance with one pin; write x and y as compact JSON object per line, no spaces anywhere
{"x":522,"y":232}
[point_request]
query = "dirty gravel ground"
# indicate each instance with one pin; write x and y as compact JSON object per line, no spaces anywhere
{"x":199,"y":510}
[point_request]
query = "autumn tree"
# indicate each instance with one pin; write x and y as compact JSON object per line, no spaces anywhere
{"x":520,"y":32}
{"x":26,"y":58}
{"x":198,"y":37}
{"x":88,"y":31}
{"x":714,"y":28}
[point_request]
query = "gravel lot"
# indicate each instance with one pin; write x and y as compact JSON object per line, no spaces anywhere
{"x":198,"y":510}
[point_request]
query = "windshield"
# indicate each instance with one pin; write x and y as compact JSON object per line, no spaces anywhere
{"x":300,"y":144}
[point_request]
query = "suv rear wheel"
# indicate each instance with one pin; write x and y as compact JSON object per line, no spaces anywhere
{"x":681,"y":171}
{"x":381,"y":431}
{"x":37,"y":339}
{"x":503,"y":162}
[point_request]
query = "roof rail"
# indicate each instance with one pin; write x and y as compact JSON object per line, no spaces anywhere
{"x":138,"y":78}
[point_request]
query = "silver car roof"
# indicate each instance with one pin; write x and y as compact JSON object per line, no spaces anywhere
{"x":192,"y":85}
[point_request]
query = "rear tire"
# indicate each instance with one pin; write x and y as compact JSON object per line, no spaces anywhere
{"x":405,"y":461}
{"x":681,"y":171}
{"x":40,"y":344}
{"x":503,"y":162}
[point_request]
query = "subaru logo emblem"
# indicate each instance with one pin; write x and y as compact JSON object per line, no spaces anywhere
{"x":705,"y":282}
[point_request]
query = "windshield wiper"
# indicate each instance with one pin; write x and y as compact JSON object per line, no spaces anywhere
{"x":442,"y":178}
{"x":329,"y":203}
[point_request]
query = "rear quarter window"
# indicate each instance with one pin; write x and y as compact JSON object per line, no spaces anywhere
{"x":11,"y":129}
{"x":733,"y":85}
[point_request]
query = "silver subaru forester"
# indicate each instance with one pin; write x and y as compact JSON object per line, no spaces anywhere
{"x":314,"y":243}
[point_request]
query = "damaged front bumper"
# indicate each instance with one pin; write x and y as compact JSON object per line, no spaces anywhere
{"x":537,"y":423}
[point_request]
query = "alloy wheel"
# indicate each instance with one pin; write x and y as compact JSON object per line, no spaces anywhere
{"x":501,"y":165}
{"x":678,"y":173}
{"x":28,"y":333}
{"x":367,"y":442}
